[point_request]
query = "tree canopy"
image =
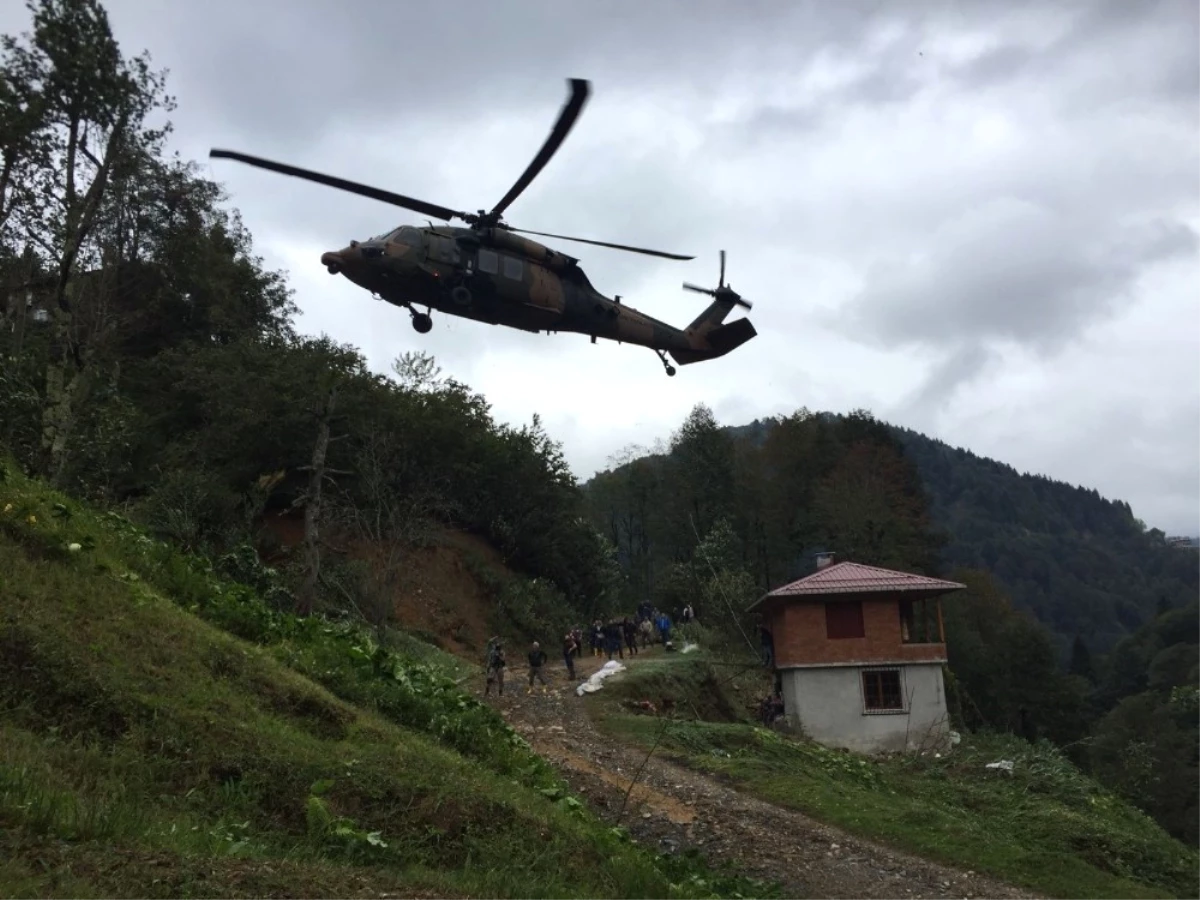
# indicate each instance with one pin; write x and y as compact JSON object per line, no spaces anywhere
{"x":149,"y":358}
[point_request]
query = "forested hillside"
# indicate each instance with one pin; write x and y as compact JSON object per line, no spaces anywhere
{"x":148,"y":361}
{"x":176,"y":718}
{"x":1082,"y":564}
{"x":718,"y":514}
{"x":149,"y":365}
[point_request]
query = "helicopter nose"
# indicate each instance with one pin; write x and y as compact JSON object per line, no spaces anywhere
{"x":337,"y":261}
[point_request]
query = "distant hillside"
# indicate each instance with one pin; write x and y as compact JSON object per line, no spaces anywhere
{"x":1083,"y":564}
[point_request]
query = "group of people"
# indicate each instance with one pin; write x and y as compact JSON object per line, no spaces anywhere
{"x":611,"y":638}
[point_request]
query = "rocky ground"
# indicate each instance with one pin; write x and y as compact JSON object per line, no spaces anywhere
{"x":675,"y":808}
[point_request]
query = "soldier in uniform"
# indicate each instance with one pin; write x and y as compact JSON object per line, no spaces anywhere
{"x":495,"y":667}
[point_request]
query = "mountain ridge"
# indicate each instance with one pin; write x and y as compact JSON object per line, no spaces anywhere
{"x":1081,"y":563}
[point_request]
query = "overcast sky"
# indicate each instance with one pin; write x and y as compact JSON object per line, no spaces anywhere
{"x":976,"y":219}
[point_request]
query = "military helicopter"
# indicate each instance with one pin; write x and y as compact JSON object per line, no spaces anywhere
{"x":488,"y":273}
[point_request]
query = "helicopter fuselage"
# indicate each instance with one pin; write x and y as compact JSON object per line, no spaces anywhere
{"x":490,"y":273}
{"x":497,"y":277}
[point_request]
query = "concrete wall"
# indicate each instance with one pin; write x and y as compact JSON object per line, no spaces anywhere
{"x":827,"y":703}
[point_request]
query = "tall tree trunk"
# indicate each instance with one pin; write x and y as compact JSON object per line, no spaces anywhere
{"x":312,"y":508}
{"x":68,"y":372}
{"x":66,"y":385}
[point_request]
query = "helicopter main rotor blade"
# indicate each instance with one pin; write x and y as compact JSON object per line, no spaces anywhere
{"x":558,"y":134}
{"x":563,"y":237}
{"x":688,"y":286}
{"x":721,"y":280}
{"x":420,"y":206}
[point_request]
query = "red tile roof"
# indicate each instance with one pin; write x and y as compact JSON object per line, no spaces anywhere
{"x":855,"y":578}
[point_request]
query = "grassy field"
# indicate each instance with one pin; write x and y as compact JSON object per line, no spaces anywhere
{"x":1046,"y":826}
{"x":165,"y":732}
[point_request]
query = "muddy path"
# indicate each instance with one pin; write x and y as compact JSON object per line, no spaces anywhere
{"x":673,"y":808}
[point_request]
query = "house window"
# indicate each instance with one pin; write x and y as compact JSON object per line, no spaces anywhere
{"x":882,"y":691}
{"x":920,"y":622}
{"x":513,"y":268}
{"x":844,"y":619}
{"x":489,"y":262}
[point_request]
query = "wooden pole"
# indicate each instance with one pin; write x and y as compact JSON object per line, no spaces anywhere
{"x":941,"y":627}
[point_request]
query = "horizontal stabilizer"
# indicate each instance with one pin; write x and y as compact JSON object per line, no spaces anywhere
{"x":731,"y":336}
{"x":721,"y":340}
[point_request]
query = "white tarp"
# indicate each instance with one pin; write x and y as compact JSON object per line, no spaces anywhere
{"x":593,"y":684}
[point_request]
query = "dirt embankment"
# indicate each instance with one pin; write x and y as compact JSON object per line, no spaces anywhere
{"x":438,"y":594}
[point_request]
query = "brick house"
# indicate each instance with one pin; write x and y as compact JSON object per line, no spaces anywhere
{"x":858,"y":654}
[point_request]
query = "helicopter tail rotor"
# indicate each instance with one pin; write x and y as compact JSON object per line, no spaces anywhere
{"x":722,"y":292}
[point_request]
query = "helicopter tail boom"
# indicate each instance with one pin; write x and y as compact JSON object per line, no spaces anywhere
{"x":714,"y":314}
{"x":721,"y":340}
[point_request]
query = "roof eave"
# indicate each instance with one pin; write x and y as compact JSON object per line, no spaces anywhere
{"x":928,"y":591}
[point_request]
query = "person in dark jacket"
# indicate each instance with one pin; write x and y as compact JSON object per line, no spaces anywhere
{"x":495,"y":667}
{"x":537,"y":659}
{"x":629,"y":631}
{"x":612,"y":639}
{"x":569,"y":650}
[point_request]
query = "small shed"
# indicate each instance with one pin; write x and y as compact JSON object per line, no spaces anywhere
{"x":858,"y":654}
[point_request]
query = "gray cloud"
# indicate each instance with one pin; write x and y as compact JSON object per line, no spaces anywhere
{"x":945,"y":380}
{"x":1015,"y":271}
{"x":943,"y":211}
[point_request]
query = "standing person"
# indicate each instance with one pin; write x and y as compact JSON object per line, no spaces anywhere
{"x":629,"y":630}
{"x":495,"y":667}
{"x":537,"y":659}
{"x":688,"y":614}
{"x":767,"y":642}
{"x":646,"y":633}
{"x":664,"y":627}
{"x":612,"y":639}
{"x":597,"y":638}
{"x":569,"y":650}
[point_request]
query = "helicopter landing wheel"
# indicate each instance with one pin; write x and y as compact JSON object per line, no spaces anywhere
{"x":422,"y":322}
{"x":666,"y":365}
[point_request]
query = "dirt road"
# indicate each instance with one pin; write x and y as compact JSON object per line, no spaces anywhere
{"x":674,"y":808}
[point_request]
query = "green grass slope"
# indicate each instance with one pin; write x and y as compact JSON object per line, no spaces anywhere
{"x":1046,"y":826}
{"x":165,"y":733}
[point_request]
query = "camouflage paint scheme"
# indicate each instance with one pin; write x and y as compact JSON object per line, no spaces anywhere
{"x":513,"y":281}
{"x":489,"y":273}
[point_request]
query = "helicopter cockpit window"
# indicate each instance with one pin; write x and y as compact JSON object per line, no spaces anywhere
{"x":489,"y":262}
{"x":405,"y":234}
{"x":513,"y":268}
